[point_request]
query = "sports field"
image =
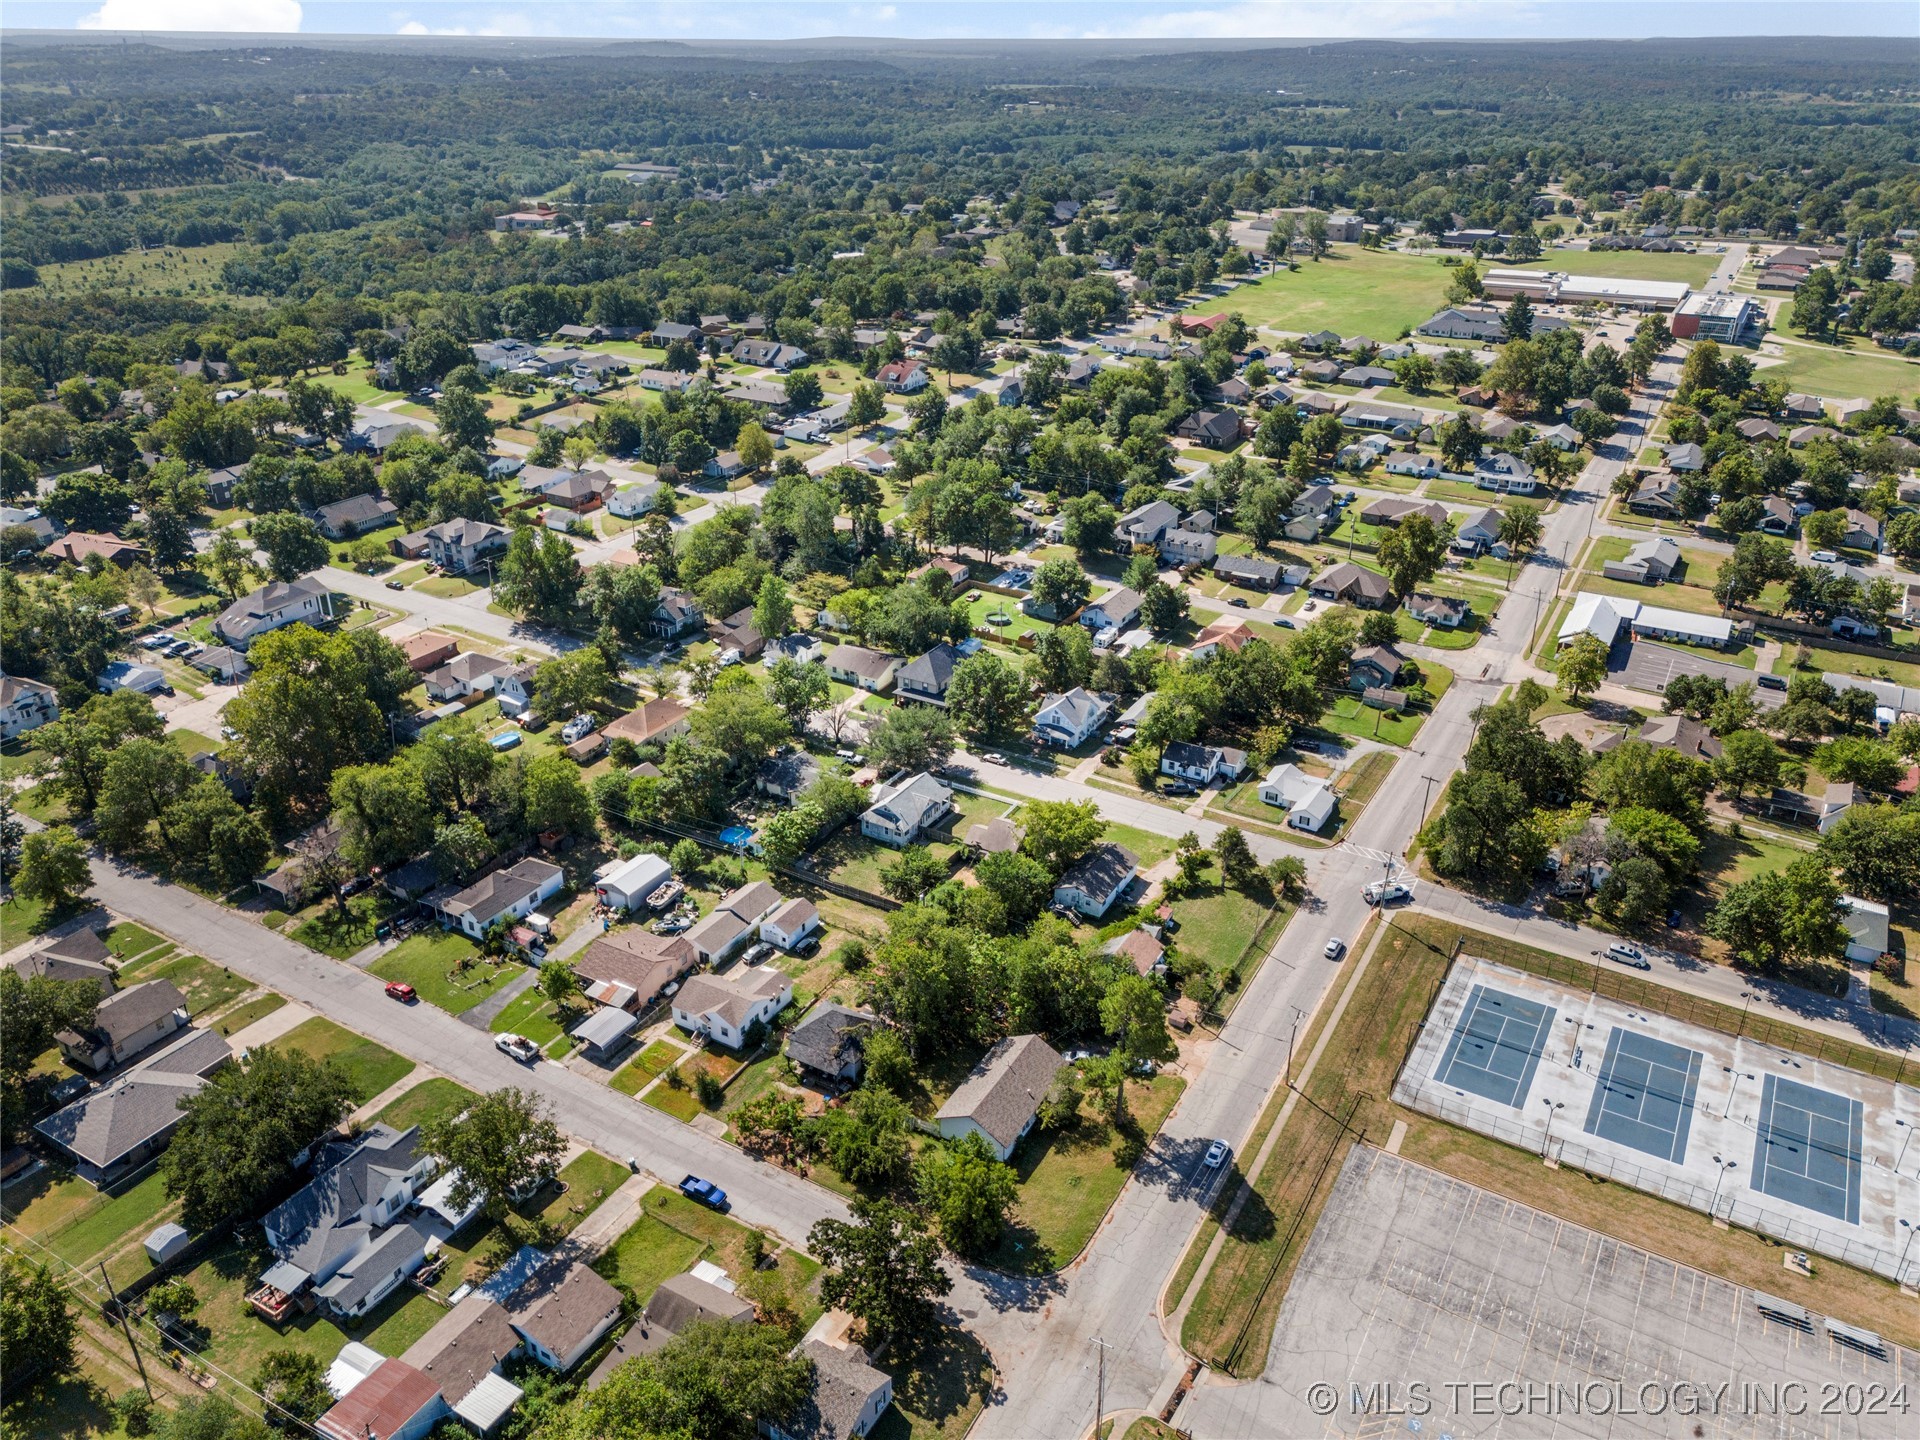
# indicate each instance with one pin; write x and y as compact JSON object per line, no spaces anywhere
{"x":1696,"y":270}
{"x":1866,"y":372}
{"x":1354,"y":291}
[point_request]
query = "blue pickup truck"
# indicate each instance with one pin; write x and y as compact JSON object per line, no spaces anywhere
{"x":705,"y":1191}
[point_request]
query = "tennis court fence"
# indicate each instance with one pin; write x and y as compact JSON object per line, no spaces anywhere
{"x":1570,"y":1149}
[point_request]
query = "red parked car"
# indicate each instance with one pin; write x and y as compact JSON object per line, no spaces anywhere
{"x":400,"y":990}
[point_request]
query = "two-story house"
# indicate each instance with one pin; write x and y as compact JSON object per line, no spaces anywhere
{"x":284,"y":602}
{"x":347,"y":1240}
{"x":1116,"y":610}
{"x":925,"y":679}
{"x":1147,"y":524}
{"x":457,"y":546}
{"x":1201,"y":764}
{"x":25,"y":705}
{"x":1069,"y":720}
{"x":675,"y":614}
{"x":905,"y":810}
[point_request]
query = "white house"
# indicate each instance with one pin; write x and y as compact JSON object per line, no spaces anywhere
{"x":1424,"y":467}
{"x":468,"y":674}
{"x":627,"y":883}
{"x":561,"y":1314}
{"x":903,"y":811}
{"x":725,"y":1007}
{"x":1866,"y":923}
{"x":511,"y":893}
{"x":1001,"y":1096}
{"x":125,"y":675}
{"x":628,"y":501}
{"x":732,"y":922}
{"x":1117,"y":609}
{"x":456,"y":546}
{"x":1506,"y":474}
{"x":1069,"y":720}
{"x":1308,"y":801}
{"x":791,"y":924}
{"x":25,"y":705}
{"x":272,"y":606}
{"x":1097,"y":879}
{"x":347,"y":1237}
{"x":1147,"y":524}
{"x":845,"y":1397}
{"x":1187,"y":544}
{"x":862,"y":668}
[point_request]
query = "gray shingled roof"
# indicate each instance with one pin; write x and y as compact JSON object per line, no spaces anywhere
{"x":113,"y":1120}
{"x":829,"y":1037}
{"x":843,"y":1382}
{"x":1002,"y":1092}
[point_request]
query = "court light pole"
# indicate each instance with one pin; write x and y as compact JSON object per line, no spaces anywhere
{"x":1731,"y":1088}
{"x":1725,"y":1166}
{"x":1900,"y":1270}
{"x":1746,"y":998}
{"x":1547,"y":1139}
{"x":1903,"y":1147}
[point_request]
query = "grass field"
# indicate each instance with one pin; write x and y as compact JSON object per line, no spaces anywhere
{"x":166,"y":271}
{"x":432,"y":1099}
{"x":1069,"y":1179}
{"x":1353,"y":291}
{"x":371,"y":1067}
{"x":1696,"y":270}
{"x":1865,"y":371}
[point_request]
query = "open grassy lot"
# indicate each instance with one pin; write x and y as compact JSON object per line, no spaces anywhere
{"x":533,"y":1015}
{"x":852,"y":859}
{"x":433,"y":1099}
{"x":446,"y":968}
{"x":206,"y":986}
{"x":1696,"y":270}
{"x":167,"y":270}
{"x":237,"y":1019}
{"x":1352,"y":291}
{"x":100,"y":1226}
{"x":1903,"y":672}
{"x":1860,"y":369}
{"x":1070,"y":1178}
{"x":371,"y":1067}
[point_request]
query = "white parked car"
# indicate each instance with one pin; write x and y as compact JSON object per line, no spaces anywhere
{"x":1823,"y":557}
{"x":1628,"y":955}
{"x":1336,"y":947}
{"x":1386,"y":893}
{"x":1216,"y":1154}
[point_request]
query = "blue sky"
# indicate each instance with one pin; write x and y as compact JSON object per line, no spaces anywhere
{"x":1060,"y":19}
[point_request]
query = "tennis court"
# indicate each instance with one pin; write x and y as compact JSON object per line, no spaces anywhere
{"x":1767,"y":1139}
{"x":1644,"y":1099}
{"x":1496,"y":1046}
{"x":1807,"y":1148}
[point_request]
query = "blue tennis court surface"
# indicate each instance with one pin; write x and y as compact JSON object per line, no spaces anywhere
{"x":1645,"y":1095}
{"x":1496,"y":1046}
{"x":1808,"y":1148}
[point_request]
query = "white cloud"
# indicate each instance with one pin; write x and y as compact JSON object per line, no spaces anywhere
{"x":261,"y":16}
{"x":507,"y":23}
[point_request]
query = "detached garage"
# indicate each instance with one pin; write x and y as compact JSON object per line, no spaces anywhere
{"x":628,"y":883}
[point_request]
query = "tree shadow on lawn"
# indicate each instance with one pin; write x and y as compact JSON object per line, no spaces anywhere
{"x":940,"y":1381}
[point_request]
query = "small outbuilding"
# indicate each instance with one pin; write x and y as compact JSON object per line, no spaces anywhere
{"x":167,"y":1242}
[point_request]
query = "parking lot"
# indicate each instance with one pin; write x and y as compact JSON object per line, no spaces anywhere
{"x":1647,"y":665}
{"x":1424,"y":1305}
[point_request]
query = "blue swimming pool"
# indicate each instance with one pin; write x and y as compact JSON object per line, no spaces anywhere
{"x":735,"y":835}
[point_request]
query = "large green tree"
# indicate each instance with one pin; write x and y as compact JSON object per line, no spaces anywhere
{"x":503,"y":1147}
{"x":884,"y":1270}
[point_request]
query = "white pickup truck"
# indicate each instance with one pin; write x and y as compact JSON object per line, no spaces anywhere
{"x":1385,"y":892}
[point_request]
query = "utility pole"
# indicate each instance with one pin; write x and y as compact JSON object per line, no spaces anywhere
{"x":1294,"y":1031}
{"x":127,"y":1330}
{"x":1100,"y":1385}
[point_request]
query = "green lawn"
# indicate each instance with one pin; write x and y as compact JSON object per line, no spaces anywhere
{"x":432,"y":960}
{"x":649,"y":1252}
{"x":102,"y":1228}
{"x":1874,"y":667}
{"x":206,"y":986}
{"x":533,"y":1015}
{"x":1696,"y":270}
{"x":1069,"y":1179}
{"x":370,"y":1066}
{"x":1352,"y":291}
{"x":433,"y":1099}
{"x":1864,"y":370}
{"x":660,"y":1056}
{"x":940,"y":1392}
{"x":241,"y":1016}
{"x":164,"y":270}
